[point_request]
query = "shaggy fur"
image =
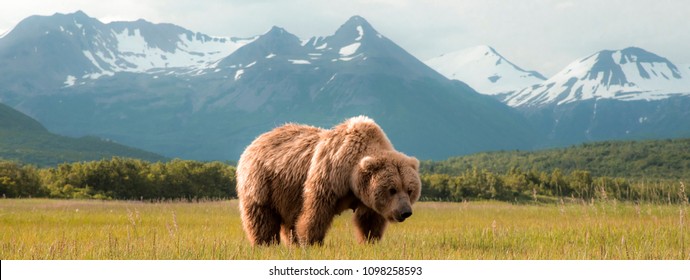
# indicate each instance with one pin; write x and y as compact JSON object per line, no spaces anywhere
{"x":293,"y":180}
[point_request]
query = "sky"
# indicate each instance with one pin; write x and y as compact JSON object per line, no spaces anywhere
{"x":541,"y":35}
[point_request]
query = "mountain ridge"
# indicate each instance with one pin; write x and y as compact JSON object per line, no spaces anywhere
{"x":213,"y":112}
{"x":485,"y":70}
{"x":26,"y":140}
{"x":628,"y":74}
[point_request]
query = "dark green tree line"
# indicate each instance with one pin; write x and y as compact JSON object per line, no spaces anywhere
{"x":518,"y":185}
{"x":120,"y":178}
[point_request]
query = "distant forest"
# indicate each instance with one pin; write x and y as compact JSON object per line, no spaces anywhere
{"x":654,"y":159}
{"x":654,"y":171}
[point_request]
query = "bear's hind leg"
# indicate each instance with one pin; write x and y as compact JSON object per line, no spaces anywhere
{"x":262,"y":224}
{"x":369,"y":224}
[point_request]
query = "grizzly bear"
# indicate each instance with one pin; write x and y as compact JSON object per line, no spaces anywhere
{"x":293,"y":180}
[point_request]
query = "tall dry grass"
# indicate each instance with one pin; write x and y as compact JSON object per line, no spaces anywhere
{"x":91,"y":229}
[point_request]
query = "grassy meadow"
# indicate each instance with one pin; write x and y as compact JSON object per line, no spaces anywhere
{"x":94,"y":229}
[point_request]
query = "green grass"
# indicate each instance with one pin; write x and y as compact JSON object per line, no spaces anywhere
{"x":91,"y":229}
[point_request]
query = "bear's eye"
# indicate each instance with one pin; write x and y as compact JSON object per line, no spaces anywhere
{"x":392,"y":191}
{"x":409,"y":193}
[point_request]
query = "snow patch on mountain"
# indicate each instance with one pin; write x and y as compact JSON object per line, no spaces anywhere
{"x":350,"y":49}
{"x":360,"y":31}
{"x":628,"y":74}
{"x":485,"y":70}
{"x":299,"y":61}
{"x":239,"y":74}
{"x":133,"y":53}
{"x":70,"y":80}
{"x":323,"y":46}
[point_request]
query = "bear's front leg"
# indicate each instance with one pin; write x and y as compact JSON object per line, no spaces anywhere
{"x":369,"y":224}
{"x":317,"y":215}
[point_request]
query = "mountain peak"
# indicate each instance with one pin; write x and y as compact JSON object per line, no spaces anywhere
{"x":636,"y":50}
{"x":78,"y":18}
{"x":635,"y":54}
{"x":54,"y":20}
{"x":355,"y":29}
{"x":485,"y":70}
{"x":277,"y":41}
{"x":278,"y":34}
{"x":79,"y":14}
{"x":628,"y":74}
{"x":275,"y":30}
{"x":357,"y":21}
{"x":484,"y":48}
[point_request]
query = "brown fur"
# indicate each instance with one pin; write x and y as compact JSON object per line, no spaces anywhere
{"x":293,"y":180}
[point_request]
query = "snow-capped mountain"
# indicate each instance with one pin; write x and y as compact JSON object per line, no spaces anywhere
{"x":75,"y":48}
{"x":627,"y":75}
{"x":165,"y":89}
{"x":485,"y":70}
{"x":179,"y":93}
{"x":353,"y":44}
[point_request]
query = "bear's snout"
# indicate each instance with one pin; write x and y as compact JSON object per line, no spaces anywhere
{"x":406,"y":215}
{"x":403,"y":214}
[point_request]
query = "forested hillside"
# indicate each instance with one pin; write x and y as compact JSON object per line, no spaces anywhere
{"x":656,"y":159}
{"x":25,"y":140}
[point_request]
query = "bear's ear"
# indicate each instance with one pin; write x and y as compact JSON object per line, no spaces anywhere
{"x":414,"y":162}
{"x":370,"y":164}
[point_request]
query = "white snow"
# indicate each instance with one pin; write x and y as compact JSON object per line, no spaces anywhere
{"x":131,"y":43}
{"x":95,"y":76}
{"x":136,"y":51}
{"x":483,"y":69}
{"x":685,"y":70}
{"x":489,"y":73}
{"x":90,"y":57}
{"x":574,"y":84}
{"x":299,"y":61}
{"x":271,"y":55}
{"x":348,"y":58}
{"x":133,"y":54}
{"x":350,"y":49}
{"x":238,"y":74}
{"x":661,"y":77}
{"x":70,"y":81}
{"x":361,"y":33}
{"x":321,"y":47}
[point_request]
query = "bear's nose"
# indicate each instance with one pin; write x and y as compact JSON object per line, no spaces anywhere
{"x":406,"y":215}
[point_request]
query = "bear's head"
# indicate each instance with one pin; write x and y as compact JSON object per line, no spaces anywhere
{"x":388,"y":182}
